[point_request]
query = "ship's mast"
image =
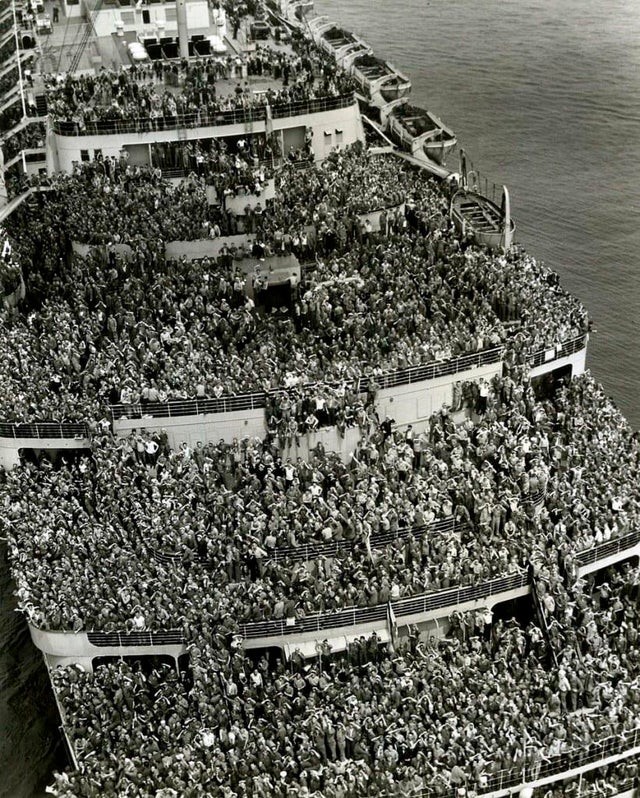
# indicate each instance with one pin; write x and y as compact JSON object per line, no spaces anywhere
{"x":183,"y":32}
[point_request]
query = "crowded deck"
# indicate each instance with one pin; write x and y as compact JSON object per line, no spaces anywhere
{"x":134,"y":536}
{"x":204,"y":336}
{"x":432,"y":607}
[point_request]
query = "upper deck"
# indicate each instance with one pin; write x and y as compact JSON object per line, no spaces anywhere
{"x":138,"y":73}
{"x":96,"y":34}
{"x":119,"y":78}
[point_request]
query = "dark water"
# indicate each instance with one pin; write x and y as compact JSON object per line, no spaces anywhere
{"x":29,"y":739}
{"x":545,"y":96}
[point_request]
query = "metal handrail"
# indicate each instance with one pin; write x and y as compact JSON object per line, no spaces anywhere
{"x":562,"y":349}
{"x":312,"y":551}
{"x":144,"y":638}
{"x":387,"y":379}
{"x":190,"y":407}
{"x":43,"y":429}
{"x":322,"y":621}
{"x":312,"y":106}
{"x":602,"y":550}
{"x":238,"y":116}
{"x":434,"y":369}
{"x":257,"y":400}
{"x":439,"y":599}
{"x":106,"y":127}
{"x":618,"y":746}
{"x":251,"y":401}
{"x":448,"y":597}
{"x":578,"y":760}
{"x":354,"y":616}
{"x":317,"y":622}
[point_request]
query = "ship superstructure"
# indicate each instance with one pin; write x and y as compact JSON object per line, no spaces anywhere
{"x":288,"y":439}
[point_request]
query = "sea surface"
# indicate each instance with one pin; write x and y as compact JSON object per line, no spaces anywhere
{"x":544,"y":96}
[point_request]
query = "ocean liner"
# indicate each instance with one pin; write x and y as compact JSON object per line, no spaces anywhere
{"x":306,"y":488}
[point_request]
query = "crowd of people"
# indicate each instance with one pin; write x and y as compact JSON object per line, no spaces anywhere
{"x":205,"y":527}
{"x":7,"y":49}
{"x":200,"y":89}
{"x":604,"y":782}
{"x":10,"y":116}
{"x":132,"y":536}
{"x":423,"y":716}
{"x":30,"y":137}
{"x":241,"y":168}
{"x":8,"y":81}
{"x":232,"y":174}
{"x":350,"y":178}
{"x":377,"y":300}
{"x":11,"y":283}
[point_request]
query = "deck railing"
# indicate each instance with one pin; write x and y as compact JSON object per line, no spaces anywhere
{"x":43,"y":429}
{"x":324,"y":621}
{"x":388,"y":379}
{"x":110,"y":127}
{"x":459,"y":595}
{"x":190,"y":407}
{"x":354,"y":616}
{"x":563,"y":349}
{"x":312,"y":106}
{"x":379,"y":540}
{"x":317,"y":622}
{"x":313,"y":551}
{"x":170,"y":637}
{"x":251,"y":401}
{"x":237,"y":116}
{"x":610,"y":749}
{"x":611,"y":547}
{"x":435,"y":369}
{"x":616,"y":745}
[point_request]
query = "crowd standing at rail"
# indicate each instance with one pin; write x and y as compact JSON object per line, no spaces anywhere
{"x":437,"y":715}
{"x":603,"y":782}
{"x":115,"y":327}
{"x":31,"y":137}
{"x":243,"y":172}
{"x":135,"y":536}
{"x":155,"y":95}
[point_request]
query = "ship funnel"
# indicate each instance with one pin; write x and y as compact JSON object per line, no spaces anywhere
{"x":506,"y":215}
{"x":183,"y":31}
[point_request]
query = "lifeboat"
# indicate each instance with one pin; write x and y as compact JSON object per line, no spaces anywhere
{"x":296,"y":10}
{"x":417,"y":131}
{"x":379,"y":81}
{"x":490,"y":224}
{"x":337,"y":41}
{"x":302,"y":8}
